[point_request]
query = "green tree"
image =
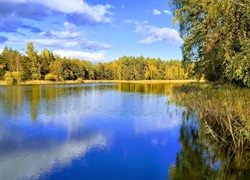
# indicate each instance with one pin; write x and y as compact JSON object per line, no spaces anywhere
{"x":216,"y":37}
{"x":46,"y":58}
{"x":12,"y":59}
{"x":11,"y":66}
{"x":100,"y":71}
{"x":50,"y":67}
{"x":67,"y":73}
{"x":35,"y":64}
{"x":56,"y":68}
{"x":89,"y":70}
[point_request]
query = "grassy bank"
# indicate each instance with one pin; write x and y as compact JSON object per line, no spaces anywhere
{"x":224,"y":114}
{"x":223,"y":133}
{"x":101,"y":81}
{"x":41,"y":82}
{"x":140,"y":81}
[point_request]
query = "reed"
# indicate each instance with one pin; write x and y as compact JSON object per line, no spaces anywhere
{"x":223,"y":109}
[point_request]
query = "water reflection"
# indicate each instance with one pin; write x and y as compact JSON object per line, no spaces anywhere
{"x":153,"y":88}
{"x":195,"y":160}
{"x":108,"y":131}
{"x":78,"y":131}
{"x":54,"y":141}
{"x":13,"y":98}
{"x":34,"y":163}
{"x":200,"y":150}
{"x":35,"y":98}
{"x":202,"y":158}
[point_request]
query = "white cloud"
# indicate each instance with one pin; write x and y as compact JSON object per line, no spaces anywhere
{"x":66,"y":6}
{"x":133,"y":21}
{"x":156,"y":12}
{"x":167,"y":12}
{"x":91,"y":14}
{"x":71,"y":32}
{"x":55,"y":43}
{"x":153,"y":34}
{"x":99,"y":56}
{"x":74,"y":43}
{"x":71,"y":37}
{"x":130,"y":21}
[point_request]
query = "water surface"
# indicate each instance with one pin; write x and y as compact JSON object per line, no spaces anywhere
{"x":89,"y":131}
{"x":109,"y":131}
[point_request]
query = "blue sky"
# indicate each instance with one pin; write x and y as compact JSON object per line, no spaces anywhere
{"x":94,"y":30}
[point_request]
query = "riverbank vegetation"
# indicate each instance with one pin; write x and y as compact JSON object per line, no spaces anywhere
{"x":16,"y":68}
{"x":216,"y":38}
{"x":221,"y":136}
{"x":226,"y":105}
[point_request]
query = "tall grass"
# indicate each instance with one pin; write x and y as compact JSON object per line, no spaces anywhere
{"x":224,"y":114}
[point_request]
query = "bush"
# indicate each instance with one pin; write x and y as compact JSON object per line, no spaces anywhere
{"x":79,"y":80}
{"x":51,"y":77}
{"x":17,"y":76}
{"x":13,"y":77}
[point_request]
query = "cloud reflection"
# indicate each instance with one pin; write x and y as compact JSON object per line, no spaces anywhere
{"x":33,"y":164}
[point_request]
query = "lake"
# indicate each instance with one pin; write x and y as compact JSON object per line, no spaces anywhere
{"x":98,"y":131}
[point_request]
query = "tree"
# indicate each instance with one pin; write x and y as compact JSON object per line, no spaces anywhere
{"x":100,"y":71}
{"x":46,"y":58}
{"x":2,"y":71}
{"x":35,"y":64}
{"x":49,"y":67}
{"x":56,"y":68}
{"x":11,"y":68}
{"x":216,"y":37}
{"x":12,"y":60}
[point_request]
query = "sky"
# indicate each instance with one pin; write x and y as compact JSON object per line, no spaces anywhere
{"x":93,"y":30}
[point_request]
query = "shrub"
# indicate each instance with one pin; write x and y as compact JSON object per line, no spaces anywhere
{"x":79,"y":80}
{"x":13,"y":77}
{"x":51,"y":77}
{"x":17,"y":77}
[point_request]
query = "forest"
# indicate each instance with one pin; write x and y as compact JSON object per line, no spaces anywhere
{"x":215,"y":46}
{"x":16,"y":67}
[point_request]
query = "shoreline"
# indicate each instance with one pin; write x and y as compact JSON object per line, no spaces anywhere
{"x":42,"y":82}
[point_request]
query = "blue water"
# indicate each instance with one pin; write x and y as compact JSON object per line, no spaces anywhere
{"x":95,"y":131}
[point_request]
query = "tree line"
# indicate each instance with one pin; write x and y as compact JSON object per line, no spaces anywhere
{"x":216,"y":38}
{"x":16,"y":67}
